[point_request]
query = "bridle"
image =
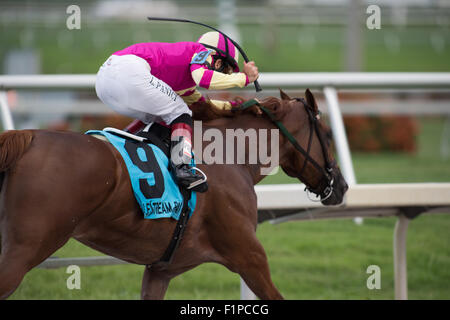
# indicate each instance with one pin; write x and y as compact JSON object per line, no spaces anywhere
{"x":324,"y":189}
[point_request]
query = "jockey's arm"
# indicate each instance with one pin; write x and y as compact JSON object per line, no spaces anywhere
{"x":193,"y":96}
{"x":214,"y":80}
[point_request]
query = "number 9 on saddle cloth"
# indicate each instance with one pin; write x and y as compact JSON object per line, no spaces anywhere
{"x":154,"y":187}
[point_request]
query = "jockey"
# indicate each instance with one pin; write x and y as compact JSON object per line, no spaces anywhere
{"x":157,"y":82}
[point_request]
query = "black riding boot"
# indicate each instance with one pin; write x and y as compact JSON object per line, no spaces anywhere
{"x":181,"y":156}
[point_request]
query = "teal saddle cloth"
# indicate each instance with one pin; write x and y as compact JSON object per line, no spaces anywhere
{"x":155,"y":189}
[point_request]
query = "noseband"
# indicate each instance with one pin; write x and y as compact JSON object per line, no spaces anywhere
{"x":325,"y":187}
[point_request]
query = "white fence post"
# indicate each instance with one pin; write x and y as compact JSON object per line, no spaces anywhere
{"x":246,"y":293}
{"x":340,"y":138}
{"x":400,"y":272}
{"x":7,"y":119}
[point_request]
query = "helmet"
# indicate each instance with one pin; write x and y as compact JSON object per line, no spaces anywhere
{"x":223,"y":47}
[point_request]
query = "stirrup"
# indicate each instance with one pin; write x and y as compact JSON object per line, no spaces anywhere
{"x":198,"y":182}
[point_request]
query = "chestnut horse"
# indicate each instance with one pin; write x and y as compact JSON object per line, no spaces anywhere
{"x":58,"y":185}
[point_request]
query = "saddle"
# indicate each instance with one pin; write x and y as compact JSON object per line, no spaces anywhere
{"x":159,"y":136}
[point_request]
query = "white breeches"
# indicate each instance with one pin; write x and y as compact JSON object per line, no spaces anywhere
{"x":125,"y":84}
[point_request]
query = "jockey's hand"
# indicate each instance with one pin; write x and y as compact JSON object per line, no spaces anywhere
{"x":237,"y":108}
{"x":251,"y":70}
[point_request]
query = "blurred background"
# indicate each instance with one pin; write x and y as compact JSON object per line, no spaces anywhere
{"x":395,"y":135}
{"x":281,"y":35}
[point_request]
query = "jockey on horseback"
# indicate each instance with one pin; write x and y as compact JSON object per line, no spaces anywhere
{"x":156,"y":82}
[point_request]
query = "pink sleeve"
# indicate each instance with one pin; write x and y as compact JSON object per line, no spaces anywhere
{"x":203,"y":75}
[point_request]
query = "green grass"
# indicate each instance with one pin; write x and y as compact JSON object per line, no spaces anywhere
{"x":280,"y":49}
{"x":308,"y":260}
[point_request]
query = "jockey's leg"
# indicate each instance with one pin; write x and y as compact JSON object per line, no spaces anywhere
{"x":181,"y":154}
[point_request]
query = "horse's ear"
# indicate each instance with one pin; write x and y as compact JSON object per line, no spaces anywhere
{"x":311,"y":100}
{"x":284,"y":96}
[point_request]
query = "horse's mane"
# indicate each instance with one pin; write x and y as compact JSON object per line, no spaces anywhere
{"x":203,"y":110}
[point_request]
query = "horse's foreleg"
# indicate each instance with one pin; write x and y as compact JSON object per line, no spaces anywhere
{"x":243,"y":253}
{"x":154,"y":285}
{"x":253,"y":267}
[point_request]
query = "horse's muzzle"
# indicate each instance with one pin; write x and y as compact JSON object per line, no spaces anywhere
{"x":339,"y":188}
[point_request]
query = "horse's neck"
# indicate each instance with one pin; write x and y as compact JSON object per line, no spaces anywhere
{"x":268,"y":149}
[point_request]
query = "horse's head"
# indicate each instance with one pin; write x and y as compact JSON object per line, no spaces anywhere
{"x":306,"y":153}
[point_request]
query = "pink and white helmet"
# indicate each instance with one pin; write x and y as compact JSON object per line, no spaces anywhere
{"x":222,"y":46}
